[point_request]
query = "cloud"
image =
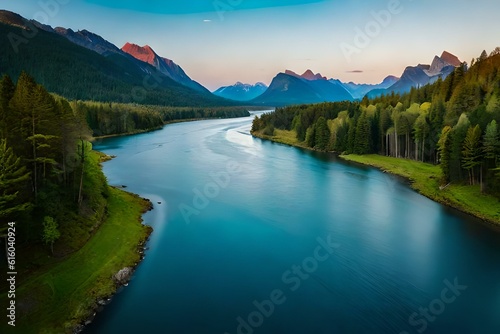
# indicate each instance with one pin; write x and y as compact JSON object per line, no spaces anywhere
{"x":207,"y":21}
{"x":355,"y":71}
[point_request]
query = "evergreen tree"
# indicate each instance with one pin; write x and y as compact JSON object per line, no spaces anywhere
{"x":7,"y":88}
{"x":457,"y":140}
{"x":491,"y":142}
{"x":472,"y":151}
{"x":483,"y":56}
{"x":363,"y":135}
{"x":322,"y":134}
{"x":311,"y":136}
{"x":444,"y":147}
{"x":13,"y":179}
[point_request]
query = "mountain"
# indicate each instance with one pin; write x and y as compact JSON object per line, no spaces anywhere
{"x":308,"y":75}
{"x":89,"y":40}
{"x":421,"y":75}
{"x":358,"y":91}
{"x":82,"y":65}
{"x":241,"y":91}
{"x":290,"y":88}
{"x":164,"y":65}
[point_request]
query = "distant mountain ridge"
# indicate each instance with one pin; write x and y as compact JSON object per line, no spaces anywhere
{"x":290,"y":88}
{"x":421,"y":75}
{"x":358,"y":91}
{"x":241,"y":91}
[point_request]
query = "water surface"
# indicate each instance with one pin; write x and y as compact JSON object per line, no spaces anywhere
{"x":257,"y":237}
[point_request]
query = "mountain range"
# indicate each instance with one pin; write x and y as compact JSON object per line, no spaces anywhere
{"x":291,"y":88}
{"x":83,"y":65}
{"x":421,"y":75}
{"x":241,"y":91}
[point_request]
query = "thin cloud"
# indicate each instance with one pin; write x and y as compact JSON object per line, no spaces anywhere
{"x":355,"y":71}
{"x":207,"y":21}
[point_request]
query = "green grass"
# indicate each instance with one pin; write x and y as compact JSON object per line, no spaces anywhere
{"x":56,"y":298}
{"x":425,"y":178}
{"x":283,"y":137}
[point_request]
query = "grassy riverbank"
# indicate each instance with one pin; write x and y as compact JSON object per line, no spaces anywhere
{"x":59,"y":295}
{"x":424,"y":178}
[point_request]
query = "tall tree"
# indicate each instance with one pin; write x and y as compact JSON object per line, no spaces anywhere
{"x":472,"y":152}
{"x":7,"y":88}
{"x":363,"y":135}
{"x":13,"y":179}
{"x":444,"y":148}
{"x":491,"y":142}
{"x":322,"y":134}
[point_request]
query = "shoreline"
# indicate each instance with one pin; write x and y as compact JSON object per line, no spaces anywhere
{"x":138,"y":132}
{"x":88,"y":278}
{"x":448,"y":197}
{"x":100,"y":302}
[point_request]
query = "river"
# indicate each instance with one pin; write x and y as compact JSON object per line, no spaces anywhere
{"x":256,"y":237}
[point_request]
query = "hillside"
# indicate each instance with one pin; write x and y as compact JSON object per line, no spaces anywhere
{"x":79,"y":73}
{"x":289,"y":88}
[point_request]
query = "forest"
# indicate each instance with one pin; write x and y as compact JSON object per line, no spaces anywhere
{"x":50,"y":183}
{"x":453,"y":122}
{"x":50,"y":180}
{"x":105,"y":119}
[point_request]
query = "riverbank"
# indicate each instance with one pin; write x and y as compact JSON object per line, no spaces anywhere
{"x":424,"y":178}
{"x":58,"y":297}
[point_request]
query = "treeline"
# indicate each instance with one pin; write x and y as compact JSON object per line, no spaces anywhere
{"x":118,"y":118}
{"x":453,"y":122}
{"x":50,"y":184}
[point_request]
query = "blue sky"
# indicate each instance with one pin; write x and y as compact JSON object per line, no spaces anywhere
{"x":223,"y":41}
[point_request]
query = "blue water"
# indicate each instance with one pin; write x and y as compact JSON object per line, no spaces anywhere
{"x":257,"y":237}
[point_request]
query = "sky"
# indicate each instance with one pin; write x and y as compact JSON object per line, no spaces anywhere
{"x":220,"y":42}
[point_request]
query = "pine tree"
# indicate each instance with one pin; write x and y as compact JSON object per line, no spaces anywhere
{"x":472,"y":151}
{"x":491,"y":142}
{"x":322,"y":134}
{"x":7,"y":88}
{"x":444,"y":148}
{"x":483,"y":56}
{"x":13,"y":179}
{"x":363,"y":135}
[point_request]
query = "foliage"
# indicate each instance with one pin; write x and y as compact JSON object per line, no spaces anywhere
{"x":429,"y":124}
{"x":13,"y":180}
{"x":50,"y":232}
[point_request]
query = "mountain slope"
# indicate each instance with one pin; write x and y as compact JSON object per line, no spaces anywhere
{"x":358,"y":91}
{"x":164,"y":65}
{"x":241,"y":92}
{"x":421,"y":75}
{"x":75,"y":72}
{"x":289,"y":88}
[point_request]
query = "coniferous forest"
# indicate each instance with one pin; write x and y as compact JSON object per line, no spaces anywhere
{"x":50,"y":184}
{"x":452,"y":122}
